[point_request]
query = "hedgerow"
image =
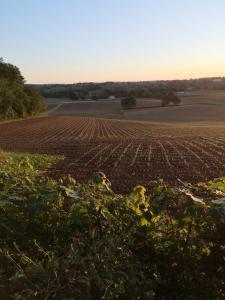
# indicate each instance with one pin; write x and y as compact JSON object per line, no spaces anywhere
{"x":64,"y":240}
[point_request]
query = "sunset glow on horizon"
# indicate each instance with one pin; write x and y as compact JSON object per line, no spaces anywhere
{"x":55,"y":41}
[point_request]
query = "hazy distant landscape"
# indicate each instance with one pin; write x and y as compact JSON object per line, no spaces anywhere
{"x":199,"y":106}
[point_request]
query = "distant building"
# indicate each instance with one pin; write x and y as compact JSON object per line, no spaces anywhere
{"x":184,"y":94}
{"x":218,"y":80}
{"x":111,"y":98}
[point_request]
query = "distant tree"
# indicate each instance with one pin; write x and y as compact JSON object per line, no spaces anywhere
{"x":74,"y":95}
{"x":164,"y":102}
{"x":95,"y":97}
{"x":106,"y":93}
{"x":128,"y":102}
{"x":170,"y":98}
{"x":176,"y":100}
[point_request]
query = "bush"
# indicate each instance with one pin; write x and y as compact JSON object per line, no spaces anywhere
{"x":63,"y":240}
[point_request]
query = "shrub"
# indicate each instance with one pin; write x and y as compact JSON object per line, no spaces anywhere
{"x":63,"y":240}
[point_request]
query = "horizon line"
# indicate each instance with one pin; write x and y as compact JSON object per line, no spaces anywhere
{"x":126,"y":81}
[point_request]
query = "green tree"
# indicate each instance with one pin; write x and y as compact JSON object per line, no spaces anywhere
{"x":128,"y":102}
{"x":17,"y":99}
{"x":170,"y":98}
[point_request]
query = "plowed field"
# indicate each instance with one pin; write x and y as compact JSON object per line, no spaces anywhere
{"x":128,"y":152}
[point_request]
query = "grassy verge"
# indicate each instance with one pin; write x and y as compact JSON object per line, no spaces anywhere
{"x":5,"y":121}
{"x":63,"y":240}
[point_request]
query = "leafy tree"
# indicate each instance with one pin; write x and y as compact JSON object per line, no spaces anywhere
{"x":176,"y":100}
{"x":17,"y":99}
{"x":128,"y":102}
{"x":170,"y":98}
{"x":10,"y":72}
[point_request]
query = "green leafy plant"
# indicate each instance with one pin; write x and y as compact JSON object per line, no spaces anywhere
{"x":64,"y":240}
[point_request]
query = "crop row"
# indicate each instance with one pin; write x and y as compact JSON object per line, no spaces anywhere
{"x":127,"y":164}
{"x":128,"y":153}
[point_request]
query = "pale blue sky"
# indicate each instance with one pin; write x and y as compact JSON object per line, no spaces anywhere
{"x":55,"y":41}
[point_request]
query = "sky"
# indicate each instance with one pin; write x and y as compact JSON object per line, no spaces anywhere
{"x":69,"y":41}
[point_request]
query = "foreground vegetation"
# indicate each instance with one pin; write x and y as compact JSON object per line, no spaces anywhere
{"x":63,"y":240}
{"x":17,"y":100}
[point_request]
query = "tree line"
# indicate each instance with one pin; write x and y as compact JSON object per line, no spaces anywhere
{"x":128,"y":92}
{"x":17,"y":100}
{"x":142,"y":89}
